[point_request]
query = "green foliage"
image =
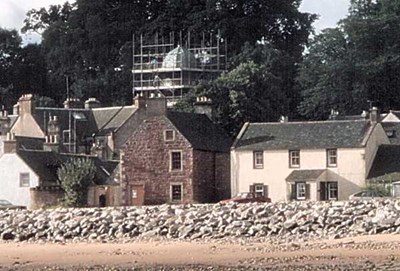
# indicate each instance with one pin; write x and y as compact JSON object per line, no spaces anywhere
{"x":91,"y":41}
{"x":22,"y":69}
{"x":75,"y":176}
{"x":255,"y":90}
{"x":354,"y":63}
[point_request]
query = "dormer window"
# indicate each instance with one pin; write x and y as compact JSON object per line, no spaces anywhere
{"x":169,"y":135}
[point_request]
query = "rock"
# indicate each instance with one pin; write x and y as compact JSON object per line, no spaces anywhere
{"x":7,"y":236}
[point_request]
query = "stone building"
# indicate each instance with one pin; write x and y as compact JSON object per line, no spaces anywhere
{"x":175,"y":157}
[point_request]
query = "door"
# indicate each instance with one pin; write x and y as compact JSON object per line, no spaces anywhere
{"x":137,"y":194}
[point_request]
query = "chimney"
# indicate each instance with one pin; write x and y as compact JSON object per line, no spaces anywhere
{"x":4,"y":122}
{"x":374,"y":115}
{"x":92,"y":103}
{"x":156,"y":105}
{"x":334,"y":114}
{"x":139,"y":101}
{"x":204,"y":105}
{"x":10,"y":144}
{"x":72,"y":103}
{"x":284,"y":119}
{"x":52,"y":142}
{"x":16,"y":109}
{"x":26,"y":104}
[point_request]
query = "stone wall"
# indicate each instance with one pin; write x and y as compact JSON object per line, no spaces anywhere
{"x":146,"y":161}
{"x":45,"y":196}
{"x":223,"y":175}
{"x":294,"y":221}
{"x":204,"y":186}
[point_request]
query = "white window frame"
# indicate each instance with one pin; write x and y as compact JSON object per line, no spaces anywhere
{"x":259,"y":190}
{"x":165,"y":135}
{"x":24,"y":179}
{"x":294,"y":155}
{"x":258,"y":159}
{"x":301,"y":190}
{"x":171,"y":192}
{"x":331,"y":154}
{"x":332,"y":186}
{"x":170,"y":160}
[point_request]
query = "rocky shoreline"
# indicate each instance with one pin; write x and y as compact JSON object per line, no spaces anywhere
{"x":289,"y":221}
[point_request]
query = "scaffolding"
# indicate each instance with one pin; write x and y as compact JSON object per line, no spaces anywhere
{"x":174,"y":65}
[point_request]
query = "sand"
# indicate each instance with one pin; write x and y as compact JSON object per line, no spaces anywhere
{"x":378,"y":251}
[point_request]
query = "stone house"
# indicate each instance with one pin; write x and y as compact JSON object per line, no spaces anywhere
{"x":320,"y":160}
{"x":175,"y":157}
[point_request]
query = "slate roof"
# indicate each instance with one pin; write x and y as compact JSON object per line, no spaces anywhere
{"x":392,"y":130}
{"x":29,"y":143}
{"x":303,"y":135}
{"x":46,"y":163}
{"x":43,"y":163}
{"x":111,"y":119}
{"x":97,"y":121}
{"x":200,"y":131}
{"x":66,"y":117}
{"x":386,"y":164}
{"x":305,"y":175}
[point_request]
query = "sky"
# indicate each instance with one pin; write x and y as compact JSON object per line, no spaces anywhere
{"x":12,"y":13}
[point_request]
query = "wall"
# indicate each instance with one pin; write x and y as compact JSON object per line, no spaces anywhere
{"x":146,"y":159}
{"x":377,"y":137}
{"x":204,"y":185}
{"x":350,"y":171}
{"x":27,"y":126}
{"x":45,"y":196}
{"x":10,"y":168}
{"x":223,"y":175}
{"x":112,"y":193}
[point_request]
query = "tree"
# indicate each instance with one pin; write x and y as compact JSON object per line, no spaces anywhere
{"x":253,"y":91}
{"x":75,"y":176}
{"x":89,"y":41}
{"x":357,"y":62}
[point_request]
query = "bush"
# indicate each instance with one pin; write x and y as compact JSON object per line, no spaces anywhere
{"x":75,"y":176}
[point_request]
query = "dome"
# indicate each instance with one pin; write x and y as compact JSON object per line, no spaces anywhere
{"x":179,"y":58}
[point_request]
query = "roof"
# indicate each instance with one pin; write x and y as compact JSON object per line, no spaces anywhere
{"x":303,"y":135}
{"x":104,"y":169}
{"x":81,"y":118}
{"x":386,"y":164}
{"x":29,"y":143}
{"x":200,"y":131}
{"x":305,"y":175}
{"x":46,"y":163}
{"x":179,"y":58}
{"x":43,"y":163}
{"x":392,"y":130}
{"x":87,"y":121}
{"x":111,"y":118}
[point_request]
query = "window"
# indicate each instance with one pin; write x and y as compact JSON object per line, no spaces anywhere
{"x":259,"y":190}
{"x":176,"y":160}
{"x":66,"y":136}
{"x":300,"y":191}
{"x":24,"y":180}
{"x":169,"y":135}
{"x":328,"y":190}
{"x":331,"y":157}
{"x":258,"y":158}
{"x":294,"y":158}
{"x":176,"y":192}
{"x":332,"y":191}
